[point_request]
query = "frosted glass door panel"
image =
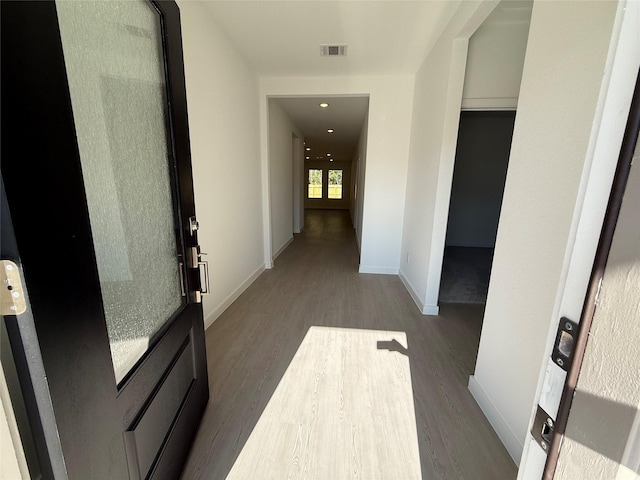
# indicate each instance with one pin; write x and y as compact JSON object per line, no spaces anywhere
{"x":114,"y":59}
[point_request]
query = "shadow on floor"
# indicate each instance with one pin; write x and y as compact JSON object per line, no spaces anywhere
{"x":314,"y":284}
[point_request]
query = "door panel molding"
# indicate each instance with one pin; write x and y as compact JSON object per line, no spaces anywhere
{"x":45,"y":193}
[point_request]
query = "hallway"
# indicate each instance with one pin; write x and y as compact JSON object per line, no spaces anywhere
{"x":317,"y":371}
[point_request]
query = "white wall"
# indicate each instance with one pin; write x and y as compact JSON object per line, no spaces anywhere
{"x":387,"y":150}
{"x":494,"y":64}
{"x":281,"y":128}
{"x":299,"y":186}
{"x":359,"y":162}
{"x":353,"y":187}
{"x":434,"y":129}
{"x":557,"y":109}
{"x":222,"y":98}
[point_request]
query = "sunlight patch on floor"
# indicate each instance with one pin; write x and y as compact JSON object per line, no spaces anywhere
{"x":343,"y":409}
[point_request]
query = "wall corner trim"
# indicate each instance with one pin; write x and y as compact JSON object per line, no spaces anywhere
{"x":424,"y":309}
{"x":431,"y":310}
{"x":411,"y":290}
{"x":233,"y":296}
{"x":378,"y":270}
{"x":283,"y":248}
{"x":506,"y":435}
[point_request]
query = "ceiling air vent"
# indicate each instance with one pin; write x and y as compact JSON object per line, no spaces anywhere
{"x":333,"y":50}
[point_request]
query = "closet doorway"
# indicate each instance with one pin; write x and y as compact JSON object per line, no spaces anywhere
{"x":482,"y":156}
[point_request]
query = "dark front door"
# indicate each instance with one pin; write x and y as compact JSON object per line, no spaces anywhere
{"x":99,"y":218}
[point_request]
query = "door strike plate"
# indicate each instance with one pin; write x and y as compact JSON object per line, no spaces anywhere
{"x":565,"y":343}
{"x":542,"y":429}
{"x":12,"y":300}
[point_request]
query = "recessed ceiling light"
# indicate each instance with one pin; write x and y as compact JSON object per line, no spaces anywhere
{"x":328,"y":154}
{"x":308,"y":148}
{"x":330,"y":130}
{"x":324,"y":105}
{"x":306,"y":158}
{"x":331,"y":159}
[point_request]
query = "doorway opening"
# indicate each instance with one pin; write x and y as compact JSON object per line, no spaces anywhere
{"x":482,"y":156}
{"x":492,"y":77}
{"x":297,"y":189}
{"x":315,"y":144}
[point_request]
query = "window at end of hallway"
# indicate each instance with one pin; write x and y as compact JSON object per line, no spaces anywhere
{"x":315,"y":183}
{"x":335,"y":184}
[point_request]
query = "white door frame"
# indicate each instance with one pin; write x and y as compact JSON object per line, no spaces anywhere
{"x":623,"y":62}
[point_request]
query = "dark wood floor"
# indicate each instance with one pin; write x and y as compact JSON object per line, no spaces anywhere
{"x":317,"y":371}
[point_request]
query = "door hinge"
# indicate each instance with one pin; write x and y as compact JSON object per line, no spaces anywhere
{"x":542,"y":429}
{"x":12,"y":300}
{"x":564,"y":345}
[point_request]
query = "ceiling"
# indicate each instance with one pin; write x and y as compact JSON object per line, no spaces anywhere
{"x":283,"y":37}
{"x":383,"y":37}
{"x":345,"y":115}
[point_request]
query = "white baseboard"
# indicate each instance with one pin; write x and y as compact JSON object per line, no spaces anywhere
{"x":378,"y":270}
{"x":424,"y":309}
{"x":411,"y":290}
{"x":430,"y":310}
{"x":506,"y":435}
{"x":233,"y":296}
{"x":282,"y":249}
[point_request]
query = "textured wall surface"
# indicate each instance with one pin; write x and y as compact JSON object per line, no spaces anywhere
{"x":603,"y":433}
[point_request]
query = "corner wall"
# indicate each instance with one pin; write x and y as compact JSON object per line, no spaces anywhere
{"x":222,"y":99}
{"x":434,"y":129}
{"x":557,"y":109}
{"x":359,"y":163}
{"x":281,"y":128}
{"x":494,"y":64}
